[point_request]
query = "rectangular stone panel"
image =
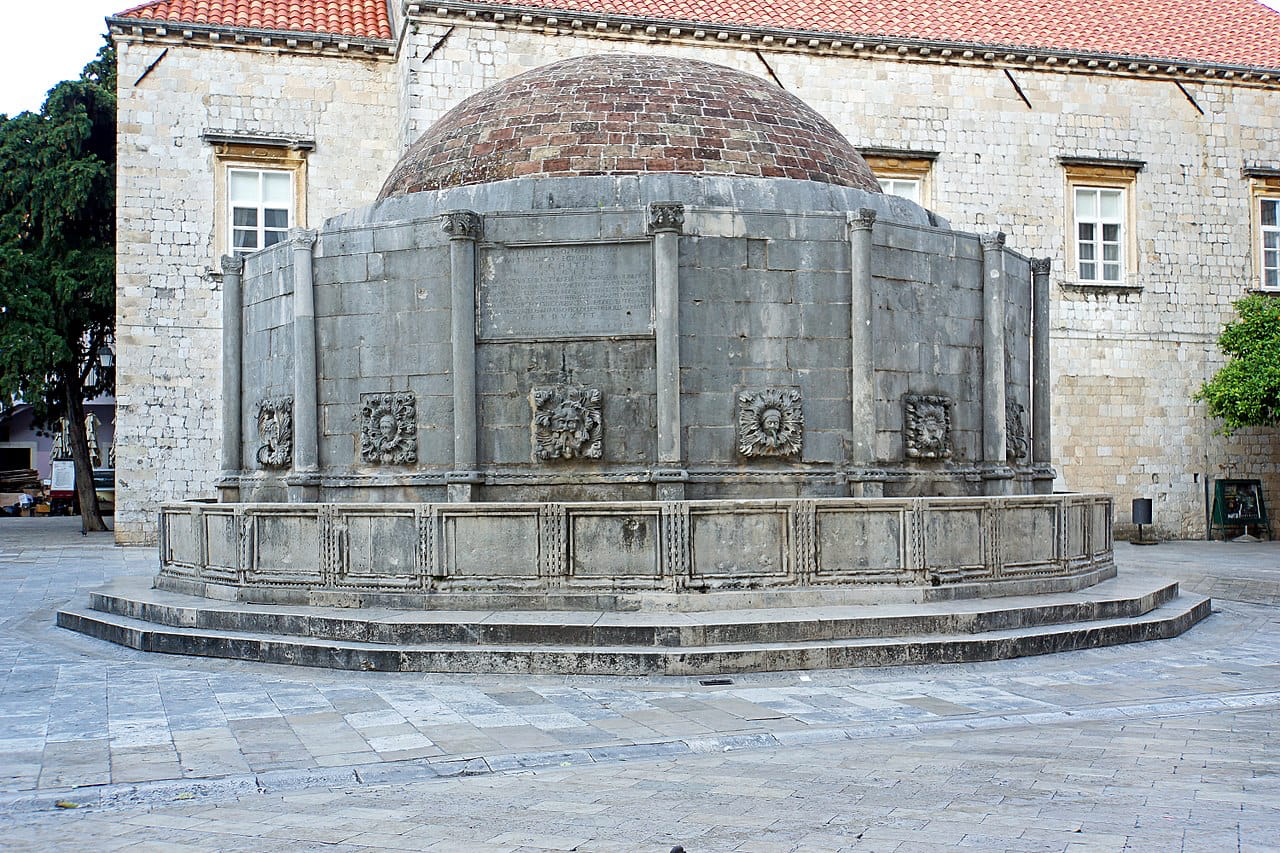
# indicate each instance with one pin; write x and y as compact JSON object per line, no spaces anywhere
{"x":182,"y":540}
{"x":953,"y":538}
{"x":285,"y":548}
{"x":222,"y":545}
{"x":1077,"y":522}
{"x":858,"y":543}
{"x":568,"y":290}
{"x":751,"y":543}
{"x":1102,"y":528}
{"x":490,"y":545}
{"x":1029,"y":538}
{"x":378,"y":549}
{"x":614,"y":544}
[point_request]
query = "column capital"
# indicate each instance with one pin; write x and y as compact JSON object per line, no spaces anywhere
{"x":666,"y":216}
{"x":861,"y":219}
{"x":231,"y":264}
{"x":1041,"y":266}
{"x":302,"y":238}
{"x":462,"y":224}
{"x":992,"y":241}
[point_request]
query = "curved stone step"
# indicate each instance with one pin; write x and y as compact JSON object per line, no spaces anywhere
{"x":134,"y":598}
{"x":1168,"y":620}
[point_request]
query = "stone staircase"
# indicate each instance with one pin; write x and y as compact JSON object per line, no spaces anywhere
{"x":132,"y":613}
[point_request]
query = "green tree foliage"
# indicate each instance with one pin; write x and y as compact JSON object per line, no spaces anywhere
{"x":57,"y":255}
{"x":1246,"y":391}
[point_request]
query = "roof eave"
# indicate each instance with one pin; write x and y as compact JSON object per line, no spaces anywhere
{"x":220,"y":35}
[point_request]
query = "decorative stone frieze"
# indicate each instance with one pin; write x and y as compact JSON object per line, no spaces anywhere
{"x":927,"y":426}
{"x":275,"y":432}
{"x":770,"y":422}
{"x":1016,"y":443}
{"x":566,"y":422}
{"x":389,"y":428}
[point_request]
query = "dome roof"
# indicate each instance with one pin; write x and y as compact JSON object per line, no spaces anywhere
{"x":621,"y":114}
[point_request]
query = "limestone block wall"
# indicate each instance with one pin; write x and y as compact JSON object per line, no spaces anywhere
{"x":1126,"y":361}
{"x":168,"y":302}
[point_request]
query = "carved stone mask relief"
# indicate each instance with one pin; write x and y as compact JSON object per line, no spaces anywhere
{"x":927,"y":426}
{"x":389,"y":428}
{"x":566,"y":422}
{"x":275,"y":432}
{"x":770,"y":422}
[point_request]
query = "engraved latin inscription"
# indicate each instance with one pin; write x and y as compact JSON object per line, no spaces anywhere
{"x":583,"y":290}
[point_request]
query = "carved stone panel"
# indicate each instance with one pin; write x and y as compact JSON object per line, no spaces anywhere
{"x":566,"y":422}
{"x":275,"y":432}
{"x":927,"y":426}
{"x":1016,"y":444}
{"x":770,"y":422}
{"x":389,"y":428}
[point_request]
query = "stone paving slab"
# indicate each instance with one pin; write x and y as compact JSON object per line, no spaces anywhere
{"x":1154,"y":745}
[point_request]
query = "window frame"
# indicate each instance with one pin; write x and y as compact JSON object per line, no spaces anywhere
{"x":893,"y":164}
{"x":1261,"y":242}
{"x":1103,"y":175}
{"x":1264,"y":186}
{"x":258,"y":157}
{"x":260,"y":227}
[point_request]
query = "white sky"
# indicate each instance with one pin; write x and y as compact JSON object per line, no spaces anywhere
{"x":31,"y":63}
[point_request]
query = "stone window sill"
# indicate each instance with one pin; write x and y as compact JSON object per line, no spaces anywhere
{"x":1092,"y":287}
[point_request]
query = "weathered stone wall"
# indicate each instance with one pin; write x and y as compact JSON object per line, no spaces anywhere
{"x":168,"y":307}
{"x":1126,"y":362}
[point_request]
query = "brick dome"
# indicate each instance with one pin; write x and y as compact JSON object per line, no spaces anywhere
{"x":621,"y":114}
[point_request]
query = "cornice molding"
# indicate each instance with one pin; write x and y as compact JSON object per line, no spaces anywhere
{"x":245,"y":38}
{"x":638,"y":28}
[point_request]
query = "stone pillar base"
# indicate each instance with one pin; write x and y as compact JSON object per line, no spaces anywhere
{"x":461,"y":486}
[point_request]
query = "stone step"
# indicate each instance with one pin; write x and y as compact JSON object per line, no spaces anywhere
{"x":1167,"y":620}
{"x":136,"y":599}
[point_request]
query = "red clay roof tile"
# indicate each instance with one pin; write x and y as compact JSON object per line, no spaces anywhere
{"x":362,"y":18}
{"x":1228,"y":32}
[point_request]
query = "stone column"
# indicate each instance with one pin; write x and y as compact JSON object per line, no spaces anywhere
{"x":232,"y":388}
{"x":304,"y":482}
{"x":666,"y":222}
{"x":996,"y":471}
{"x":864,"y":480}
{"x":465,"y":229}
{"x":1041,"y":382}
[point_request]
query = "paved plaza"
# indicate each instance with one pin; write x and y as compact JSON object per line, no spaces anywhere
{"x":1170,"y":745}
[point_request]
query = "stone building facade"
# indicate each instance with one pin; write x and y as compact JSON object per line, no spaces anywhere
{"x":992,"y":138}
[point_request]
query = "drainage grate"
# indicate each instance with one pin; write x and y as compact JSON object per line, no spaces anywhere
{"x":715,"y":682}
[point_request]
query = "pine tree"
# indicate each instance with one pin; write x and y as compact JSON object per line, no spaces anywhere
{"x":57,"y":257}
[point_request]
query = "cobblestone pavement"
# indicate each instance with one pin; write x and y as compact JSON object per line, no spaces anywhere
{"x":1159,"y":746}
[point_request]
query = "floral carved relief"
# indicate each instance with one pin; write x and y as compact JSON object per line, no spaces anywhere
{"x":566,"y":422}
{"x":389,"y":428}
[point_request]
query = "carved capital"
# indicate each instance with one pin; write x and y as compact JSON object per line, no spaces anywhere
{"x":1041,"y":266}
{"x":861,"y":219}
{"x":462,"y":224}
{"x":666,"y":216}
{"x":302,"y":238}
{"x":231,"y":264}
{"x":992,"y":242}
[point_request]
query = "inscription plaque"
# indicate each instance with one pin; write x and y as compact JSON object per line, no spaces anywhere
{"x":582,"y":290}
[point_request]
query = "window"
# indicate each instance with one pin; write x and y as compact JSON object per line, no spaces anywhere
{"x":1101,"y":216}
{"x":902,"y":173}
{"x":1099,"y":235}
{"x":261,"y":185}
{"x":1269,"y":229}
{"x":908,"y":188}
{"x":261,"y":204}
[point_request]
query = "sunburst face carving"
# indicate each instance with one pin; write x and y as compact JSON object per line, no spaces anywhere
{"x":566,"y":422}
{"x":389,"y":428}
{"x":927,"y":426}
{"x":770,"y":422}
